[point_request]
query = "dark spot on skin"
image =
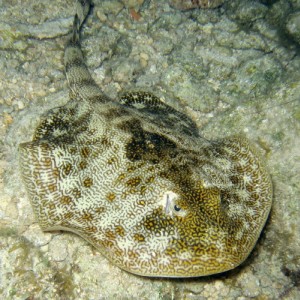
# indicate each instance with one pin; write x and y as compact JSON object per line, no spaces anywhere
{"x":158,"y":223}
{"x":54,"y":121}
{"x":88,"y":182}
{"x":160,"y":113}
{"x":115,"y":112}
{"x":147,"y":146}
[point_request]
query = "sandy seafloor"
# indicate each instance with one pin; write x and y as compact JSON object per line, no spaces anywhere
{"x":234,"y":69}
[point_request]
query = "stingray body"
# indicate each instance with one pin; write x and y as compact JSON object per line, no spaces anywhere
{"x":135,"y":179}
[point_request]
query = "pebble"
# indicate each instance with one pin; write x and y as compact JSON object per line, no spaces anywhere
{"x":144,"y":57}
{"x":101,"y":16}
{"x":123,"y":72}
{"x":20,"y":104}
{"x":35,"y":235}
{"x":7,"y":119}
{"x":250,"y":285}
{"x":58,"y":249}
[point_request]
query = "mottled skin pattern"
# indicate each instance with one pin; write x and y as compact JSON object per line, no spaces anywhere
{"x":134,"y":178}
{"x":189,"y":4}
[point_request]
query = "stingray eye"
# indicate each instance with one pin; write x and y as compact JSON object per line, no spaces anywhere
{"x":177,"y":208}
{"x":171,"y":206}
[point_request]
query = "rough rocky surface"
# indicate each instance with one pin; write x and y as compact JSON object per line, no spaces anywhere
{"x":232,"y":71}
{"x":190,"y":4}
{"x":293,"y":25}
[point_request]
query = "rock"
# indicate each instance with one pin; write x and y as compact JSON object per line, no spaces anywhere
{"x":249,"y":11}
{"x":189,"y":4}
{"x":133,"y":3}
{"x":293,"y":26}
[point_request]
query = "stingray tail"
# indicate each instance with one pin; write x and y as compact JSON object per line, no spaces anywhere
{"x":82,"y":85}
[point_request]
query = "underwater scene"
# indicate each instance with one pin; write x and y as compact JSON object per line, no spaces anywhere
{"x":150,"y":149}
